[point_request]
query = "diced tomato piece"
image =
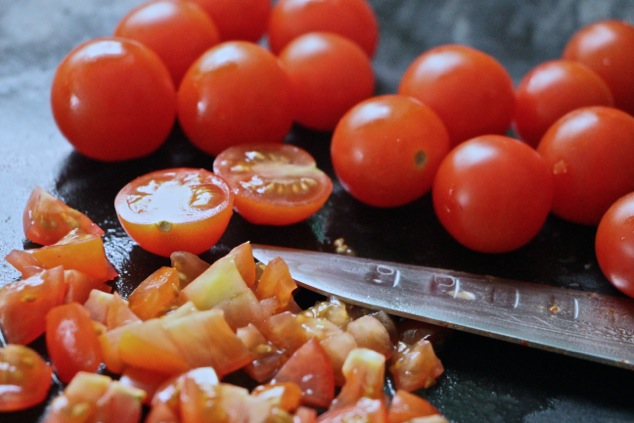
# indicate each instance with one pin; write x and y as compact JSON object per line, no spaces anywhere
{"x":79,"y":286}
{"x":47,"y":219}
{"x":276,"y":282}
{"x":24,"y":262}
{"x":188,"y":266}
{"x":364,"y":371}
{"x":364,"y":410}
{"x":266,"y":357}
{"x":370,"y":333}
{"x":243,"y":257}
{"x":25,"y":303}
{"x":415,"y":366}
{"x":406,"y":406}
{"x":157,"y":294}
{"x":305,"y":415}
{"x":338,"y":345}
{"x":118,"y":313}
{"x":311,"y":369}
{"x":286,"y":396}
{"x":162,"y":413}
{"x":25,"y":378}
{"x":145,"y":380}
{"x":71,"y":341}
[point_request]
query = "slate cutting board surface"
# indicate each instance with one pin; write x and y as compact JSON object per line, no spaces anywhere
{"x":485,"y":380}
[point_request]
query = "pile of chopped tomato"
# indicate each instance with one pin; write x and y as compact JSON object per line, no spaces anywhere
{"x":165,"y":352}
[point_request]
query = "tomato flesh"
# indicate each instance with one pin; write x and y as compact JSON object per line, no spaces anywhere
{"x":273,"y":184}
{"x":180,"y":209}
{"x":26,"y":378}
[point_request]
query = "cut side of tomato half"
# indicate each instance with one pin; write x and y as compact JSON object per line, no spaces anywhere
{"x":273,"y":184}
{"x":179,"y":209}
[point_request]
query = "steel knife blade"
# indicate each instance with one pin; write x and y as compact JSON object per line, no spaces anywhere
{"x":586,"y":325}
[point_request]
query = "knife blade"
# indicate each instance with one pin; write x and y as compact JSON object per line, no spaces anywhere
{"x":586,"y":325}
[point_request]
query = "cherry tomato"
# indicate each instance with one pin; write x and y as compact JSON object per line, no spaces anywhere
{"x":553,"y":89}
{"x":113,"y":99}
{"x":71,"y":341}
{"x":470,"y":90}
{"x":385,"y":150}
{"x":26,"y":378}
{"x":238,"y":19}
{"x":328,"y":74}
{"x":353,"y":19}
{"x":590,"y":152}
{"x":178,"y":31}
{"x":614,"y":244}
{"x":273,"y":184}
{"x":606,"y":47}
{"x":236,"y":92}
{"x":493,"y":193}
{"x":47,"y":219}
{"x":180,"y":209}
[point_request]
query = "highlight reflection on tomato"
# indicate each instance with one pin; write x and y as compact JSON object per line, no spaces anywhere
{"x":180,"y":209}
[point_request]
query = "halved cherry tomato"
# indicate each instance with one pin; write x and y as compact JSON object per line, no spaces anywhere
{"x":130,"y":118}
{"x":236,"y":92}
{"x":47,"y":219}
{"x":329,"y":74}
{"x":470,"y":90}
{"x":238,"y":19}
{"x":606,"y":47}
{"x":273,"y":184}
{"x":25,"y":378}
{"x":178,"y":31}
{"x":180,"y":209}
{"x":493,"y":193}
{"x":386,"y":150}
{"x":590,"y":153}
{"x":614,"y":244}
{"x":25,"y":303}
{"x":71,"y":341}
{"x":353,"y":19}
{"x":552,"y":89}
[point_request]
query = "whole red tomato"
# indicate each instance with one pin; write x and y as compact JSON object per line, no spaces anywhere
{"x":614,"y":244}
{"x":493,"y":193}
{"x":606,"y":47}
{"x":590,"y":152}
{"x":470,"y":90}
{"x":113,"y":99}
{"x":244,"y":20}
{"x":385,"y":150}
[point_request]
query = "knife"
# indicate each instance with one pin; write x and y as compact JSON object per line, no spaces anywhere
{"x":586,"y":325}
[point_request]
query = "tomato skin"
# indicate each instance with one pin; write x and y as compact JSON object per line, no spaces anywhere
{"x":273,"y":184}
{"x":492,"y":193}
{"x":129,"y":120}
{"x":329,"y":74}
{"x":26,"y":378}
{"x":457,"y":82}
{"x":178,"y":31}
{"x":236,"y":92}
{"x":614,"y":244}
{"x":47,"y":219}
{"x":199,"y":212}
{"x":552,"y":89}
{"x":238,"y":19}
{"x":606,"y":47}
{"x":353,"y":19}
{"x":71,"y":341}
{"x":385,"y":150}
{"x":590,"y":152}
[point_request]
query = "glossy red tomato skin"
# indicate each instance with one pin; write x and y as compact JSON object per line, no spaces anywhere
{"x":273,"y":184}
{"x":71,"y":341}
{"x":236,"y":92}
{"x":552,"y":89}
{"x":590,"y":152}
{"x":493,"y":193}
{"x":132,"y":117}
{"x":178,"y":31}
{"x":328,"y":74}
{"x":470,"y":90}
{"x":606,"y":47}
{"x":26,"y":378}
{"x":385,"y":150}
{"x":244,"y":20}
{"x":614,"y":244}
{"x":198,"y":214}
{"x":353,"y":19}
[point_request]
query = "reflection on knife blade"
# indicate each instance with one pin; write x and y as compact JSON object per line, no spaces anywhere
{"x":581,"y":324}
